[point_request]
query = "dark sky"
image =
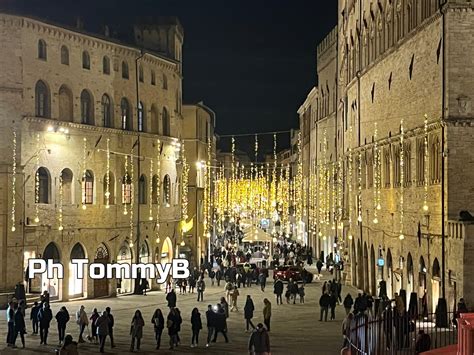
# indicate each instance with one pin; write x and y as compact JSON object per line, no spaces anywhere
{"x":252,"y":61}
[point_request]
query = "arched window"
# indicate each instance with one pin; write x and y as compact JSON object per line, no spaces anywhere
{"x":386,"y":167}
{"x":127,"y":188}
{"x":167,"y":191}
{"x":435,"y":161}
{"x":125,"y":70}
{"x":407,"y":164}
{"x":155,"y":185}
{"x":87,"y":108}
{"x":109,"y":188}
{"x":42,"y":51}
{"x":125,"y":114}
{"x":86,"y":60}
{"x":154,"y":120}
{"x":88,"y":188}
{"x":420,"y":162}
{"x":106,"y":65}
{"x":64,"y":55}
{"x":67,"y":178}
{"x":396,"y":167}
{"x":140,"y":73}
{"x":43,"y":186}
{"x":166,"y":131}
{"x":141,"y":117}
{"x":153,"y":78}
{"x":65,"y":104}
{"x":41,"y":99}
{"x":142,"y":190}
{"x":106,"y":111}
{"x":165,"y":82}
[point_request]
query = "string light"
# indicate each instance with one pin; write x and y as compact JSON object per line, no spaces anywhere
{"x":150,"y":193}
{"x":402,"y":177}
{"x":126,"y":187}
{"x":158,"y":190}
{"x":425,"y":165}
{"x":37,"y":179}
{"x":375,"y":173}
{"x":60,"y":207}
{"x":107,"y":176}
{"x":359,"y":187}
{"x":13,"y":211}
{"x":132,"y":194}
{"x":184,"y":191}
{"x":350,"y":168}
{"x":84,"y":173}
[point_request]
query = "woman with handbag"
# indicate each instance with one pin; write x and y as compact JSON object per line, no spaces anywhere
{"x":159,"y":324}
{"x":136,"y":329}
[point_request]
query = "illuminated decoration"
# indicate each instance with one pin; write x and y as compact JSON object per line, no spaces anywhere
{"x":37,"y":179}
{"x":124,"y":184}
{"x":158,"y":189}
{"x":184,"y":186}
{"x":359,"y":187}
{"x":107,"y":176}
{"x":13,"y":211}
{"x":132,"y":193}
{"x":334,"y":195}
{"x":339,"y":193}
{"x":182,"y":243}
{"x":350,"y":174}
{"x":150,"y":193}
{"x":61,"y":199}
{"x":425,"y":165}
{"x":402,"y":176}
{"x":84,"y":173}
{"x":375,"y":174}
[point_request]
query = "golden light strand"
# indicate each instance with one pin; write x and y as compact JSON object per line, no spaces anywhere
{"x":158,"y":190}
{"x":340,"y":181}
{"x":184,"y":187}
{"x":107,"y":176}
{"x":375,"y":176}
{"x":425,"y":165}
{"x":334,"y":196}
{"x":13,"y":211}
{"x":402,"y":177}
{"x":37,"y":180}
{"x":125,"y":187}
{"x":61,"y":195}
{"x":84,"y":173}
{"x":132,"y":197}
{"x":150,"y":193}
{"x":359,"y":187}
{"x":350,"y":168}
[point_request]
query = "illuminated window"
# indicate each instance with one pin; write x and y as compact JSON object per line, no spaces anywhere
{"x":167,"y":191}
{"x":127,"y":189}
{"x":126,"y":118}
{"x":88,"y":188}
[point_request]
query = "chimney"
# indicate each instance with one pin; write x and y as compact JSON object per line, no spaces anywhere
{"x":79,"y":23}
{"x":106,"y":31}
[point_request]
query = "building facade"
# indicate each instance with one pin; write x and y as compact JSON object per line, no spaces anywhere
{"x":398,"y":156}
{"x":90,"y":160}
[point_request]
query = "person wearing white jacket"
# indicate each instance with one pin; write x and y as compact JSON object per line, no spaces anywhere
{"x":82,"y":321}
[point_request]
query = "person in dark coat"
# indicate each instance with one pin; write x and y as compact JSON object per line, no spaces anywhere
{"x":111,"y":323}
{"x":44,"y":316}
{"x":332,"y":305}
{"x":212,"y":275}
{"x":248,"y":312}
{"x":218,"y":277}
{"x":19,"y":326}
{"x":103,"y":326}
{"x":259,"y":342}
{"x":136,"y":330}
{"x":348,"y":302}
{"x":423,"y":342}
{"x":62,"y":317}
{"x":319,"y":266}
{"x":159,"y":324}
{"x":34,"y":317}
{"x":171,"y":298}
{"x":324,"y":301}
{"x":278,"y":290}
{"x":210,"y":320}
{"x":220,"y":324}
{"x":172,"y":325}
{"x":93,"y":318}
{"x":196,"y":326}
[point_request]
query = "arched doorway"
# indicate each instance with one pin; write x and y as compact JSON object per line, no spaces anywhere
{"x":389,"y":274}
{"x":102,"y":256}
{"x":366,"y":268}
{"x":76,"y":285}
{"x":166,"y":255}
{"x":435,"y":283}
{"x":360,"y":266}
{"x":125,"y":257}
{"x":373,"y":272}
{"x":51,"y":252}
{"x":353,"y":263}
{"x":410,"y":276}
{"x":145,"y":257}
{"x":422,"y":277}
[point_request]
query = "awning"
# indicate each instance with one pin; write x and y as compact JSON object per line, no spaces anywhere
{"x":255,"y":234}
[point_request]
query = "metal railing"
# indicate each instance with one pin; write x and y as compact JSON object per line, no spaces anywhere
{"x":392,"y":333}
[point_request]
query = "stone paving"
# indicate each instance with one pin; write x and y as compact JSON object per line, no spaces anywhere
{"x":295,"y":328}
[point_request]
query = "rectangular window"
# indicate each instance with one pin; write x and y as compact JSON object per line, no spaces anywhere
{"x":126,"y":194}
{"x":87,"y":192}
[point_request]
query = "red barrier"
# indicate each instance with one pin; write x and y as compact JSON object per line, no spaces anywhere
{"x":466,"y":334}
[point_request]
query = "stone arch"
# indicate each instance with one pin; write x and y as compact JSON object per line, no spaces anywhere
{"x":102,"y":256}
{"x":53,"y":286}
{"x":76,"y":285}
{"x":125,"y":256}
{"x":67,"y":178}
{"x":410,"y":275}
{"x":66,"y":104}
{"x":435,"y":283}
{"x":166,"y":255}
{"x":389,"y":274}
{"x":366,"y":268}
{"x":422,"y":277}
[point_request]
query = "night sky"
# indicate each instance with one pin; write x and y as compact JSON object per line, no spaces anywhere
{"x":252,"y":61}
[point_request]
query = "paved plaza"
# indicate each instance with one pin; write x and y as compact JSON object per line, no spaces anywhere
{"x":295,"y":329}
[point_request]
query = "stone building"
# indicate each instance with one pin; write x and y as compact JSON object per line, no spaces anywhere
{"x":200,"y":147}
{"x":402,"y":131}
{"x":98,"y":126}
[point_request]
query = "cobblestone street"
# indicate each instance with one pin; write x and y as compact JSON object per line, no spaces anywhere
{"x":295,"y":328}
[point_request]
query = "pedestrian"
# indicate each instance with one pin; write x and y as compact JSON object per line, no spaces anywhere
{"x":218,"y":277}
{"x":159,"y":324}
{"x":169,"y":285}
{"x":348,"y":302}
{"x":346,"y":329}
{"x":423,"y":342}
{"x":192,"y":283}
{"x":319,"y":266}
{"x":210,"y":322}
{"x":278,"y":290}
{"x":62,"y":317}
{"x":19,"y":327}
{"x":136,"y":330}
{"x":339,"y":291}
{"x":196,"y":326}
{"x":34,"y":317}
{"x":212,"y":275}
{"x":171,"y":298}
{"x":301,"y":293}
{"x":93,"y":318}
{"x":259,"y":342}
{"x":44,"y":316}
{"x":267,"y":313}
{"x":201,"y":286}
{"x":82,"y":321}
{"x":69,"y":347}
{"x":180,"y":286}
{"x":262,"y":279}
{"x":324,"y":305}
{"x":111,"y":322}
{"x":224,"y":306}
{"x":229,"y":287}
{"x":144,"y":286}
{"x":234,"y":297}
{"x":220,"y":324}
{"x":171,"y":324}
{"x":332,"y":305}
{"x":10,"y":323}
{"x":103,"y":327}
{"x":248,"y":313}
{"x":179,"y":321}
{"x":370,"y":304}
{"x":293,"y":290}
